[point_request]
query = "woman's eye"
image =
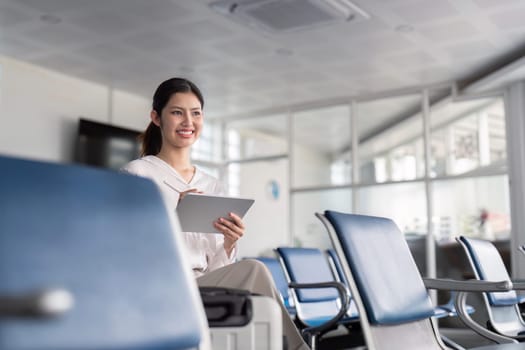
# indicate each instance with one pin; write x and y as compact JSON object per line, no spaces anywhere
{"x":177,"y":112}
{"x":196,"y":114}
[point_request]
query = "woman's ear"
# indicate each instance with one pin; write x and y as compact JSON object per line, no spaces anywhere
{"x":155,"y":118}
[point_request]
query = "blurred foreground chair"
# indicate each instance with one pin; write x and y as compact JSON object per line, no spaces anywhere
{"x":502,"y":308}
{"x":394,"y":306}
{"x":326,"y":303}
{"x":89,"y":260}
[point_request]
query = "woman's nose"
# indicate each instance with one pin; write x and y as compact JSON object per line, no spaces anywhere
{"x":186,"y":119}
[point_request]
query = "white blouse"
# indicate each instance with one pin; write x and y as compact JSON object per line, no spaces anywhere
{"x":206,"y":250}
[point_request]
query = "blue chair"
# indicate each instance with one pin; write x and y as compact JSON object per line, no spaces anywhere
{"x":502,"y":308}
{"x":281,"y":284}
{"x":89,"y":260}
{"x":325,"y":304}
{"x":440,"y":311}
{"x":394,"y":306}
{"x":444,"y":310}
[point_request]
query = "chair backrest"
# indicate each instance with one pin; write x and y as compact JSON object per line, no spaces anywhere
{"x":335,"y":263}
{"x":280,"y":281}
{"x":105,"y":239}
{"x":487,"y":264}
{"x":309,"y":265}
{"x":392,"y":299}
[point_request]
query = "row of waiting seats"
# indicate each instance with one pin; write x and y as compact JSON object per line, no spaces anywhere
{"x":318,"y":311}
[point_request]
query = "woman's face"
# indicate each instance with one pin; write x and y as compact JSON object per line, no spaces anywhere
{"x":181,"y":120}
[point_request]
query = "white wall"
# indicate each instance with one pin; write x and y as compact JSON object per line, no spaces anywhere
{"x":267,"y":222}
{"x":39,"y":110}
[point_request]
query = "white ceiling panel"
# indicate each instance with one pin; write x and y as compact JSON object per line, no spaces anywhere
{"x":455,"y":30}
{"x":426,"y":11}
{"x":134,"y":44}
{"x":509,"y":19}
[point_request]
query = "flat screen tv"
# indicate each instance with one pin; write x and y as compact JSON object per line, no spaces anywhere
{"x":106,"y":146}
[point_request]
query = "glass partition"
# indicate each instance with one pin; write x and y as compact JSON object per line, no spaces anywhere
{"x":308,"y":231}
{"x":476,"y":207}
{"x":390,"y":139}
{"x":321,"y":147}
{"x":405,"y":203}
{"x":208,"y":146}
{"x":468,"y":137}
{"x":256,"y":137}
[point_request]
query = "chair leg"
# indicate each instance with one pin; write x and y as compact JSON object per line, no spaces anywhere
{"x":311,"y":339}
{"x":450,"y":343}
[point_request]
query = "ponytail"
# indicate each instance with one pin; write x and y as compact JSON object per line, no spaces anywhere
{"x":151,"y":140}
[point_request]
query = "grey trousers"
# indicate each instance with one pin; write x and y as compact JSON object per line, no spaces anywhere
{"x":253,"y":275}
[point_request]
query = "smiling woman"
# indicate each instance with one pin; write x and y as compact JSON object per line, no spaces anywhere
{"x":176,"y":123}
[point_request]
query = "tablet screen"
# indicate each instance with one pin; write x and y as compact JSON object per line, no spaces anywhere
{"x":198,"y":212}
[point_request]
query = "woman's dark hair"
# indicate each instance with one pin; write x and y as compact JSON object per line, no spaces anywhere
{"x":151,"y":138}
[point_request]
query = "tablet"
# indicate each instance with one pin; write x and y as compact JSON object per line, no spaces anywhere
{"x":198,"y":212}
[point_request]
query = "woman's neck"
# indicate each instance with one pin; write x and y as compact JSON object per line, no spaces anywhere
{"x":180,"y":161}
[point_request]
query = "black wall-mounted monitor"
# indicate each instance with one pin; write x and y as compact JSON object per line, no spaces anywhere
{"x":103,"y":145}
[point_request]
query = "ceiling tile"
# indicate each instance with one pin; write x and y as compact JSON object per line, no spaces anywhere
{"x":59,"y":36}
{"x":510,"y":19}
{"x":470,"y":48}
{"x":152,"y":12}
{"x":10,"y":17}
{"x":410,"y":59}
{"x":426,"y":11}
{"x":496,"y":3}
{"x":449,"y":31}
{"x":106,"y":53}
{"x":59,"y":6}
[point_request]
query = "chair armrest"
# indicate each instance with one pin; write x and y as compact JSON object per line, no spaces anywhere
{"x":467,"y":286}
{"x":344,"y":295}
{"x":49,"y":302}
{"x":460,"y":302}
{"x":518,"y":285}
{"x":463,"y":288}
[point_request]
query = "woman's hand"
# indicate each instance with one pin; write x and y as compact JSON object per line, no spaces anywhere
{"x":232,"y":229}
{"x":184,"y":193}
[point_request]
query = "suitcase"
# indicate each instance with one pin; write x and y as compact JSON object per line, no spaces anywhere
{"x":239,"y":320}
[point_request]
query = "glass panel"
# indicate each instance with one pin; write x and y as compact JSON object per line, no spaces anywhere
{"x":405,"y":203}
{"x":208,"y":146}
{"x":468,"y":137}
{"x":308,"y":230}
{"x":256,"y":137}
{"x":321,"y":149}
{"x":476,"y":207}
{"x":390,"y":139}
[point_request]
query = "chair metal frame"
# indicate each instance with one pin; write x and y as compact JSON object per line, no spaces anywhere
{"x":379,"y":337}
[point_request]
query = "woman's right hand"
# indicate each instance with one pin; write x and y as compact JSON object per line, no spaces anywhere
{"x":184,"y":193}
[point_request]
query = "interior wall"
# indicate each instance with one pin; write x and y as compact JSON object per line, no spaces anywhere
{"x":267,"y":222}
{"x":39,"y":110}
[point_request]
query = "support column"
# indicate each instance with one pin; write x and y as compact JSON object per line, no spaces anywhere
{"x":515,"y":126}
{"x":431,"y":240}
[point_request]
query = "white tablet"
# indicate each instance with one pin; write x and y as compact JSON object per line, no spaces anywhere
{"x":198,"y":212}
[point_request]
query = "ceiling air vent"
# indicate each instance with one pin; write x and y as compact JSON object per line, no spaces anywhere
{"x":281,"y":16}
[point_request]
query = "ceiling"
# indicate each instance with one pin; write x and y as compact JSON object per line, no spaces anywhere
{"x":135,"y":44}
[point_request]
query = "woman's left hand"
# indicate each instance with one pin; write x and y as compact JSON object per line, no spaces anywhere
{"x":232,"y":229}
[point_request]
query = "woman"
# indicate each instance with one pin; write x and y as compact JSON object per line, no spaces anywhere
{"x":176,"y":123}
